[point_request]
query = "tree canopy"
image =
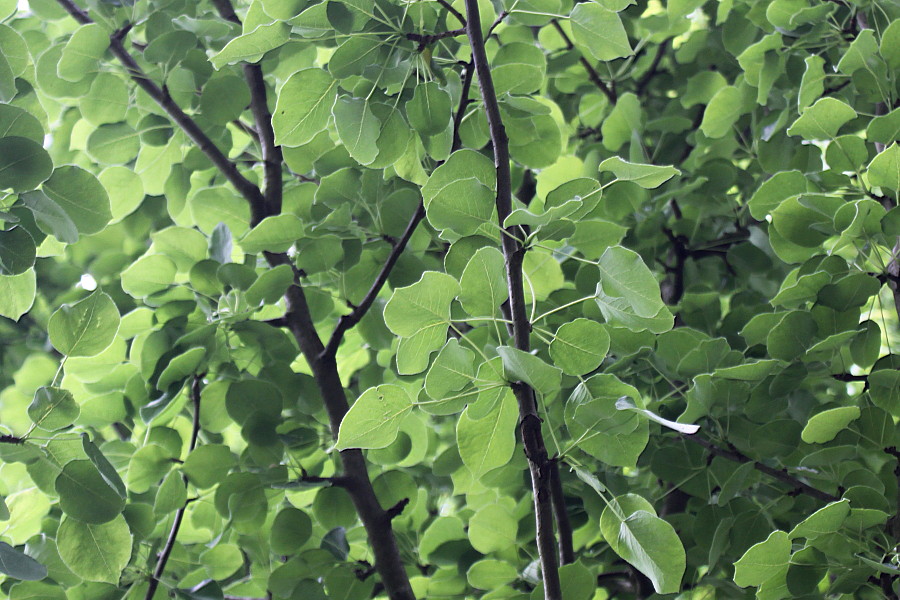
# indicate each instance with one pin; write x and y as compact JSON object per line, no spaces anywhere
{"x":449,"y":299}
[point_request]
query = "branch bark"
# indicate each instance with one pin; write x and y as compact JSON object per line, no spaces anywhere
{"x":179,"y":514}
{"x":782,"y":475}
{"x":566,"y":548}
{"x":539,"y":463}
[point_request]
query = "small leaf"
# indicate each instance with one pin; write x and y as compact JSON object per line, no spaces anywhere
{"x":600,"y":30}
{"x":824,"y":426}
{"x":18,"y":565}
{"x":335,"y":541}
{"x":488,"y":442}
{"x":634,"y":532}
{"x":17,"y":294}
{"x":763,"y":561}
{"x":85,"y":328}
{"x":483,"y":283}
{"x":522,"y":366}
{"x":24,"y":164}
{"x":53,"y":408}
{"x":374,"y":419}
{"x":884,"y":170}
{"x":357,"y":128}
{"x":579,"y":346}
{"x":290,"y":530}
{"x":273,"y":234}
{"x":17,"y":251}
{"x":250,"y":47}
{"x":646,"y":176}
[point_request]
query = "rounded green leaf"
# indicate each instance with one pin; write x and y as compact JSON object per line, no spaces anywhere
{"x":85,"y":495}
{"x":579,"y":346}
{"x":884,"y":170}
{"x":429,"y":109}
{"x":483,"y":285}
{"x":82,"y":52}
{"x":763,"y":561}
{"x":17,"y":251}
{"x":493,"y":528}
{"x":290,"y":530}
{"x":85,"y":328}
{"x":24,"y":164}
{"x":95,"y":552}
{"x":171,"y":494}
{"x":488,"y":442}
{"x":490,"y":574}
{"x":53,"y":408}
{"x":81,"y":196}
{"x":17,"y":294}
{"x":149,"y":274}
{"x":303,"y":106}
{"x":827,"y":519}
{"x":600,"y":30}
{"x":208,"y":465}
{"x":374,"y":419}
{"x":824,"y":426}
{"x":630,"y":526}
{"x":822,"y":120}
{"x":273,"y":234}
{"x":723,"y":111}
{"x":646,"y":176}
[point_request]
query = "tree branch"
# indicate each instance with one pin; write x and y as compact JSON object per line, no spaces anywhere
{"x":566,"y":549}
{"x":453,"y":11}
{"x":179,"y":514}
{"x":782,"y":475}
{"x":271,"y":154}
{"x":347,"y":322}
{"x":530,"y":422}
{"x":161,"y":96}
{"x":591,"y":71}
{"x":654,"y":66}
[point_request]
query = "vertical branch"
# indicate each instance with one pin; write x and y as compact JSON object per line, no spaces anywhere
{"x":179,"y":514}
{"x":566,"y":548}
{"x":513,"y":251}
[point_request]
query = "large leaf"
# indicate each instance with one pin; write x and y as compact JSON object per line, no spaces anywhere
{"x":374,"y":419}
{"x":628,"y":294}
{"x":488,"y":442}
{"x":95,"y":552}
{"x":600,"y":30}
{"x":85,"y":328}
{"x":303,"y":107}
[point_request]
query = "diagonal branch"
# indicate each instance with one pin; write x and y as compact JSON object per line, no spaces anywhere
{"x":161,"y":96}
{"x":782,"y":475}
{"x":271,"y":154}
{"x":591,"y":71}
{"x":530,"y":423}
{"x":179,"y":514}
{"x":654,"y":68}
{"x":453,"y":11}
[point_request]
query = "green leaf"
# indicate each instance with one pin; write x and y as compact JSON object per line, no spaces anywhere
{"x":723,"y":111}
{"x":579,"y":346}
{"x":630,"y":526}
{"x":600,"y":30}
{"x":357,"y":128}
{"x":492,"y":529}
{"x":488,"y":442}
{"x":17,"y":251}
{"x":251,"y":47}
{"x":460,"y":193}
{"x":18,"y":565}
{"x":273,"y":234}
{"x":429,"y":109}
{"x":812,"y":85}
{"x":522,"y":366}
{"x":483,"y":283}
{"x":50,"y":217}
{"x":824,"y":426}
{"x":82,"y":53}
{"x":827,"y":519}
{"x":303,"y":107}
{"x":420,"y":313}
{"x":628,"y":294}
{"x":452,"y":370}
{"x":884,"y":170}
{"x":290,"y":530}
{"x":81,"y":196}
{"x":490,"y":574}
{"x":95,"y":552}
{"x":53,"y":408}
{"x":149,"y":274}
{"x":625,"y":120}
{"x":208,"y":465}
{"x":270,"y":286}
{"x":180,"y":367}
{"x":85,"y":328}
{"x":374,"y":419}
{"x":171,"y":494}
{"x":646,"y":176}
{"x":763,"y":561}
{"x":24,"y":164}
{"x":85,"y":495}
{"x":890,"y":44}
{"x":858,"y":53}
{"x":17,"y":294}
{"x":822,"y":120}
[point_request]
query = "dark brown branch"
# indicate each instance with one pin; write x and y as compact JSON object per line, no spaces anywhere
{"x":654,"y":67}
{"x":396,"y":510}
{"x":425,"y":40}
{"x":530,"y":422}
{"x":453,"y":11}
{"x":179,"y":514}
{"x":464,"y":101}
{"x":250,"y":131}
{"x":566,"y":548}
{"x":11,"y":439}
{"x":781,"y":475}
{"x":271,"y":154}
{"x":347,"y":322}
{"x":591,"y":71}
{"x":161,"y":96}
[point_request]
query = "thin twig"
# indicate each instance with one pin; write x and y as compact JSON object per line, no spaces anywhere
{"x":566,"y":548}
{"x":654,"y":66}
{"x":591,"y":71}
{"x":453,"y":11}
{"x":179,"y":514}
{"x":347,"y":322}
{"x":782,"y":475}
{"x":514,"y":253}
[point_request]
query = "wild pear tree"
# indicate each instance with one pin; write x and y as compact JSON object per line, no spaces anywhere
{"x":449,"y":299}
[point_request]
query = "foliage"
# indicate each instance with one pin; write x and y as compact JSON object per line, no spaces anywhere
{"x":294,"y":304}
